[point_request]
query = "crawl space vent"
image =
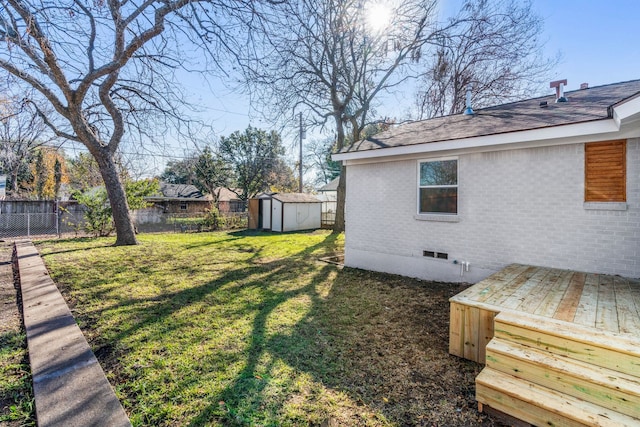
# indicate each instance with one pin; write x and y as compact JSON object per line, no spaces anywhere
{"x":434,"y":254}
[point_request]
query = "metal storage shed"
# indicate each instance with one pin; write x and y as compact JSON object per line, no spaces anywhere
{"x":285,"y":212}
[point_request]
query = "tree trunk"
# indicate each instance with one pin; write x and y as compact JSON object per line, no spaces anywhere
{"x":14,"y":181}
{"x":338,"y":226}
{"x":125,"y":231}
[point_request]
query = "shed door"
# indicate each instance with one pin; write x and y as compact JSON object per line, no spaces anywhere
{"x":254,"y":207}
{"x":266,"y":214}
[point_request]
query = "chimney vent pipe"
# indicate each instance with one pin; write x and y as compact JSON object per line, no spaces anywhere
{"x":559,"y":85}
{"x":468,"y":111}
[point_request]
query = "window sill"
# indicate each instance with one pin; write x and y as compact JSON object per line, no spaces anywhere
{"x":605,"y":206}
{"x":437,"y":218}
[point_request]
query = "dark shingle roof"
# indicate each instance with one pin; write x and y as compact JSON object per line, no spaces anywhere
{"x":584,"y":105}
{"x":295,"y":198}
{"x":180,"y":191}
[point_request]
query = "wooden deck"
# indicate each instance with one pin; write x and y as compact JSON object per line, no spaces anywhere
{"x":608,"y":303}
{"x":560,"y":347}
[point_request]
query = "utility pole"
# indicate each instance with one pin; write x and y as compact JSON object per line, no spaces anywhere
{"x":300,"y":164}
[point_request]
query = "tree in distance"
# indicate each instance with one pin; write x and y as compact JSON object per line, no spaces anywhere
{"x":211,"y":172}
{"x":255,"y":159}
{"x":495,"y":51}
{"x":22,"y":132}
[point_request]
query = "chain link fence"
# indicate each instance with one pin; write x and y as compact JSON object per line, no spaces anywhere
{"x":16,"y":225}
{"x":71,"y":223}
{"x":328,"y":218}
{"x":190,"y":223}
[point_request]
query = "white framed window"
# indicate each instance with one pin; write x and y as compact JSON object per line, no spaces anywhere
{"x":183,"y":206}
{"x":438,"y":186}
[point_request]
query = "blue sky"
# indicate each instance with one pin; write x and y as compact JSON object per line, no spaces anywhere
{"x":599,"y":42}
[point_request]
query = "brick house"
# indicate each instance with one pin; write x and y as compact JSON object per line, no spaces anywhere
{"x":228,"y":201}
{"x":538,"y":182}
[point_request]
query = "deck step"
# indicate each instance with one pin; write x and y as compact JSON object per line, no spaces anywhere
{"x":542,"y":406}
{"x":617,"y":352}
{"x":611,"y":389}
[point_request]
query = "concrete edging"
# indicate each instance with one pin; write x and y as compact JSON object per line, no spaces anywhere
{"x":69,"y":385}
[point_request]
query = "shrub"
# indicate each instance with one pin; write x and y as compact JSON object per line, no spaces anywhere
{"x":212,"y":218}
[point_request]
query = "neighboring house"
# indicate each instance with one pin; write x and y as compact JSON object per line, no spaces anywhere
{"x":284,"y":212}
{"x":180,"y":199}
{"x":539,"y":182}
{"x":329,"y":191}
{"x":228,"y":201}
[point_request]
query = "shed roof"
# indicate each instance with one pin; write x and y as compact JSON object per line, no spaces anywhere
{"x":584,"y":105}
{"x":295,"y":198}
{"x":331,"y":185}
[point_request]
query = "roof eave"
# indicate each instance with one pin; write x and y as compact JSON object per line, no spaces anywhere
{"x":545,"y":136}
{"x":623,"y":113}
{"x":627,"y":111}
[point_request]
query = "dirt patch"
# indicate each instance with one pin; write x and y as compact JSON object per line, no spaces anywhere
{"x":9,"y":314}
{"x":16,"y":397}
{"x":395,"y":350}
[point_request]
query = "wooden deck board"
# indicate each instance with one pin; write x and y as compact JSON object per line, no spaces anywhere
{"x":586,"y":310}
{"x":568,"y":306}
{"x":628,"y":314}
{"x":493,"y":283}
{"x":634,"y":289}
{"x":606,"y":313}
{"x":552,"y":300}
{"x":533,"y":300}
{"x":508,"y":289}
{"x":534,"y":286}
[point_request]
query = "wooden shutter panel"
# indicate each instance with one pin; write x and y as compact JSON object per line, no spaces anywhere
{"x":605,"y":167}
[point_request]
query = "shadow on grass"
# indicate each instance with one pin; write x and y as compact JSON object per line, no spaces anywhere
{"x":379,"y":340}
{"x":249,"y":381}
{"x":91,"y":240}
{"x":389,"y":356}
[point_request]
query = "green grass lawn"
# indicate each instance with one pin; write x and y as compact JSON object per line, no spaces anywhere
{"x":250,"y":329}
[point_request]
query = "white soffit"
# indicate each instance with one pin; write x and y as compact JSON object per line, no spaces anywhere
{"x":627,"y":111}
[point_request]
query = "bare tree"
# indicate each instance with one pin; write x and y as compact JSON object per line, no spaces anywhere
{"x":211,"y":172}
{"x":22,"y":131}
{"x":106,"y":68}
{"x":318,"y":158}
{"x":333,"y":58}
{"x":495,"y":50}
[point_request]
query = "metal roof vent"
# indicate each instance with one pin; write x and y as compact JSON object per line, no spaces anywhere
{"x":559,"y":85}
{"x":468,"y":111}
